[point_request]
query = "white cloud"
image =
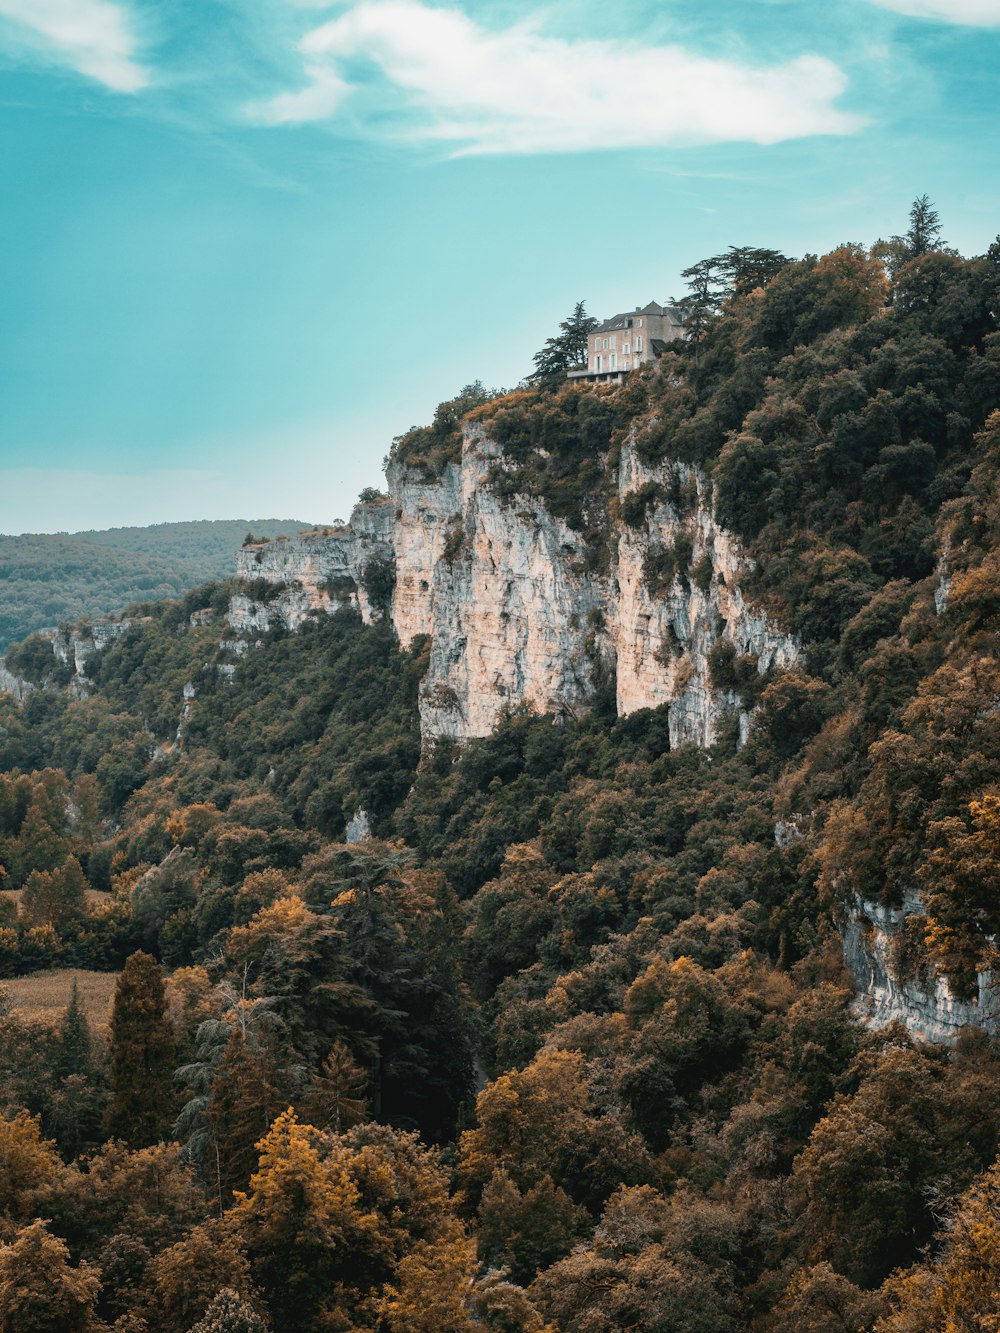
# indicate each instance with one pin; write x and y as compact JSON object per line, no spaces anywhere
{"x":318,"y":100}
{"x":518,"y":91}
{"x":94,"y":37}
{"x":970,"y":13}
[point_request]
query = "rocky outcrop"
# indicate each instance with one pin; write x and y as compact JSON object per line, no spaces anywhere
{"x":291,"y":578}
{"x":923,"y":1003}
{"x":74,"y":647}
{"x":515,"y":609}
{"x":11,"y":684}
{"x":663,"y":637}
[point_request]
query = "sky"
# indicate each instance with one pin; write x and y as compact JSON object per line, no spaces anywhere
{"x":245,"y":243}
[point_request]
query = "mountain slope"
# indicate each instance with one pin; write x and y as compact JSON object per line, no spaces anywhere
{"x":48,"y":578}
{"x":628,"y":933}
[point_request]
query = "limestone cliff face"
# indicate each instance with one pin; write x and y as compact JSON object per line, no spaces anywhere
{"x":924,"y":1005}
{"x":517,"y":608}
{"x":511,"y":616}
{"x":11,"y":684}
{"x":663,"y":636}
{"x":74,"y":647}
{"x":427,"y":523}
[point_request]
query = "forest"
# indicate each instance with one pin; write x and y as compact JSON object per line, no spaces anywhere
{"x":568,"y":1045}
{"x":47,"y":579}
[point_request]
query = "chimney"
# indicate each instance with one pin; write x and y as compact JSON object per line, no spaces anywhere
{"x":638,"y":308}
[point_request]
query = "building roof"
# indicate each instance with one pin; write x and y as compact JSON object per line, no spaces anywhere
{"x":622,"y":321}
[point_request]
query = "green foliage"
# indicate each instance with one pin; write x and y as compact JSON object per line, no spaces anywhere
{"x":142,"y":1055}
{"x":378,"y":578}
{"x":561,"y":443}
{"x":429,"y":449}
{"x":565,"y":351}
{"x":48,"y":579}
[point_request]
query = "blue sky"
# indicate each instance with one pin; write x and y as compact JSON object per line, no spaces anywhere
{"x":246,"y":242}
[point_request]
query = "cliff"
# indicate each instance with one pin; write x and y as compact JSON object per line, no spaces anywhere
{"x":516,"y":612}
{"x":889,"y":993}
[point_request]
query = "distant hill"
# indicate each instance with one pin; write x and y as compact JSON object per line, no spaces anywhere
{"x":46,"y":578}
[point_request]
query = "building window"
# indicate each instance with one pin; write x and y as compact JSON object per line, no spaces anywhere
{"x":614,"y":361}
{"x":605,"y":344}
{"x":597,"y":364}
{"x":638,"y":344}
{"x":626,"y":349}
{"x":640,"y":323}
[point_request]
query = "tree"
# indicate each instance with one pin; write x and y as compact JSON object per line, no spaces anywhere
{"x":959,"y":1287}
{"x":924,"y":232}
{"x":55,"y":898}
{"x":823,"y":1301}
{"x":74,"y":1052}
{"x":567,"y":349}
{"x":337,"y":1097}
{"x":243,"y":1077}
{"x":430,"y":1288}
{"x":711,"y":282}
{"x":575,"y":332}
{"x":40,"y":1292}
{"x":306,"y":1228}
{"x":921,"y":237}
{"x":27,"y":1162}
{"x":230,"y":1313}
{"x":142,"y":1055}
{"x":209,"y":1260}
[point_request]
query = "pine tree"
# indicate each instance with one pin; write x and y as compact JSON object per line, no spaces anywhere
{"x":244,"y":1075}
{"x":74,"y":1049}
{"x":567,"y":349}
{"x":337,"y":1096}
{"x":142,"y":1055}
{"x":924,"y":233}
{"x":575,"y":331}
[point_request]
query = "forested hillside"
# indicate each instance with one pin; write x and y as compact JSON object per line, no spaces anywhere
{"x":568,"y":1043}
{"x":49,"y":578}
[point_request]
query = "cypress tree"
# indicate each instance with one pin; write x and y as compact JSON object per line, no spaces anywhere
{"x":142,"y":1055}
{"x":73,"y":1053}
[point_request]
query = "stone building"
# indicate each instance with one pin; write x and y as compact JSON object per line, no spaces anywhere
{"x":625,"y":341}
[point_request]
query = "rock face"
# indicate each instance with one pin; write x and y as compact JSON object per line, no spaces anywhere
{"x":925,"y":1005}
{"x":11,"y":684}
{"x":73,"y":647}
{"x":515,"y":608}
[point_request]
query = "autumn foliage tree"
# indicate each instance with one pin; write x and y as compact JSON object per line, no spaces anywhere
{"x":40,"y":1290}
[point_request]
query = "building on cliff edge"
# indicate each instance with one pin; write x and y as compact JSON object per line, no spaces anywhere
{"x":626,"y":341}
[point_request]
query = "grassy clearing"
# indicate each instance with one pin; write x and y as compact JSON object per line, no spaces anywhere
{"x":43,"y":996}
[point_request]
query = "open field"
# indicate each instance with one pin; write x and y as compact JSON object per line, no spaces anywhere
{"x":43,"y":996}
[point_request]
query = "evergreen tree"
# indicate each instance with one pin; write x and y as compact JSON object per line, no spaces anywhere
{"x":924,"y":232}
{"x":712,"y":281}
{"x":575,"y":331}
{"x":337,"y":1097}
{"x":74,"y":1050}
{"x":566,"y":350}
{"x":142,"y":1055}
